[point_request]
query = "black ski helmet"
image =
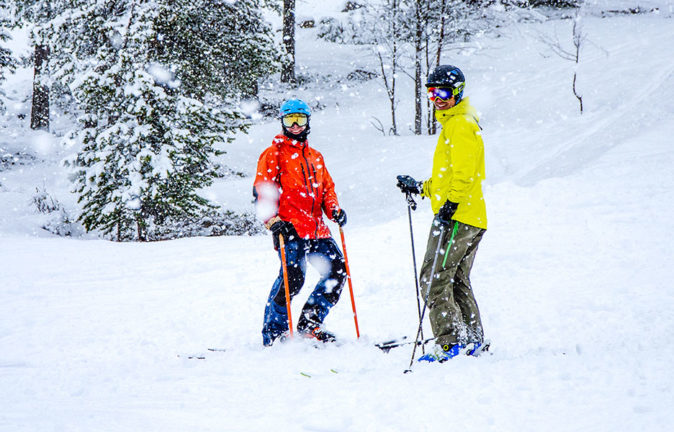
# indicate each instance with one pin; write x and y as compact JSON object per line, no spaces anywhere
{"x":448,"y":76}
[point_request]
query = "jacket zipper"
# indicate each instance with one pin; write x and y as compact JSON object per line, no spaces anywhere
{"x":309,"y":185}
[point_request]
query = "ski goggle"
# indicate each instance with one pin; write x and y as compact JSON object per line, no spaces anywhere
{"x":290,"y":119}
{"x":440,"y":93}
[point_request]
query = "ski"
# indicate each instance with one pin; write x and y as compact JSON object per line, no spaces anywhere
{"x":309,"y":375}
{"x":480,"y":350}
{"x":395,"y":343}
{"x":201,"y":356}
{"x":192,"y":356}
{"x":385,"y":346}
{"x":388,"y":345}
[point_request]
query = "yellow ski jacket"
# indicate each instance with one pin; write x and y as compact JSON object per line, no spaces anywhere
{"x":458,"y":165}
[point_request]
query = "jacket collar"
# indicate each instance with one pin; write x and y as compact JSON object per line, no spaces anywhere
{"x":281,"y":139}
{"x":462,"y":108}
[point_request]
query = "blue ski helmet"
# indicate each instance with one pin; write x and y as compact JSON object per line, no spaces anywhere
{"x":292,"y":106}
{"x":448,"y":76}
{"x":295,"y":106}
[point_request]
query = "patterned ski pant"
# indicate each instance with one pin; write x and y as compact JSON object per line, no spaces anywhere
{"x":325,"y":256}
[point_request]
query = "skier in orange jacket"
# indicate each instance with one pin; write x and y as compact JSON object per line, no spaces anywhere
{"x":292,"y":190}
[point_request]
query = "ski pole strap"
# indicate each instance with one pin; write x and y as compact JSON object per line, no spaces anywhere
{"x":410,"y":201}
{"x":449,"y":245}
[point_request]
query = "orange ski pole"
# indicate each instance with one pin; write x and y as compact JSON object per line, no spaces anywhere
{"x":348,"y":277}
{"x":282,"y":246}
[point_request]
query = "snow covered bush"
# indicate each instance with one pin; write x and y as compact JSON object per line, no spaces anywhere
{"x":214,"y":223}
{"x":349,"y":29}
{"x":9,"y":160}
{"x":44,"y":202}
{"x":555,"y":3}
{"x":331,"y":29}
{"x":63,"y":225}
{"x":58,"y":220}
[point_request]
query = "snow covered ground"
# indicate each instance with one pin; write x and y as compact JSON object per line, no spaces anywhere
{"x":574,"y":277}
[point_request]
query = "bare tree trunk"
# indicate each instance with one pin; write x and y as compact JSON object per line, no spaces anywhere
{"x":579,"y":97}
{"x":39,"y":116}
{"x":417,"y":67}
{"x":390,"y":91}
{"x":394,"y":68}
{"x":386,"y":50}
{"x":572,"y":55}
{"x":438,"y":54}
{"x":578,"y":37}
{"x":429,"y":114}
{"x":441,"y":36}
{"x":288,"y":66}
{"x":141,"y":232}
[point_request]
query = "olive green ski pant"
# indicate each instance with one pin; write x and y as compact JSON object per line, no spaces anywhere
{"x":453,"y":311}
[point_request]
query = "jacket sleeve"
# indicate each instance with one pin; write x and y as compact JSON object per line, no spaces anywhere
{"x":330,"y":202}
{"x":267,"y":187}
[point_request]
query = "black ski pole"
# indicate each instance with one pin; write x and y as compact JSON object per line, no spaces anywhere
{"x":412,"y":205}
{"x":430,"y":281}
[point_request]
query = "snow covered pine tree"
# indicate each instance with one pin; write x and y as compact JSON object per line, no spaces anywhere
{"x":152,"y":118}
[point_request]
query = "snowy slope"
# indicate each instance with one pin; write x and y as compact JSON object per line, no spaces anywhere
{"x":573,"y":277}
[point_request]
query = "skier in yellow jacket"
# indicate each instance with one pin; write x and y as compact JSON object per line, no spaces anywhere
{"x":455,"y":192}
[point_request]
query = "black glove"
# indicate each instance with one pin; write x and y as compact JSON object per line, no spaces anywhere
{"x":408,"y":185}
{"x":339,"y":216}
{"x":284,"y":228}
{"x":447,"y":211}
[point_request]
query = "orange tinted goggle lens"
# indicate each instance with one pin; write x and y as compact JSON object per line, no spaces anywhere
{"x":290,"y":119}
{"x":440,"y":93}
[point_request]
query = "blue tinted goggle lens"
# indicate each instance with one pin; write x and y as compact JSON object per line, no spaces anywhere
{"x":440,"y":93}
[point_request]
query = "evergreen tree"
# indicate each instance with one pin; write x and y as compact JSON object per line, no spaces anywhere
{"x":216,"y":47}
{"x":7,"y":61}
{"x":155,"y":83}
{"x":141,"y":168}
{"x":148,"y":145}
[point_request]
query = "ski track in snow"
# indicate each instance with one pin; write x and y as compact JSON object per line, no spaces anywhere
{"x":573,"y":277}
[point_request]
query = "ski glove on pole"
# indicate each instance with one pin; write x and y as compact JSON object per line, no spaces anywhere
{"x":339,"y":216}
{"x":446,"y":212}
{"x":408,"y":185}
{"x":284,"y":228}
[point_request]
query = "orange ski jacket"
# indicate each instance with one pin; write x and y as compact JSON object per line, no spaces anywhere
{"x":293,"y":179}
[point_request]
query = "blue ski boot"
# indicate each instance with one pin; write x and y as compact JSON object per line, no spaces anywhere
{"x":440,"y":354}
